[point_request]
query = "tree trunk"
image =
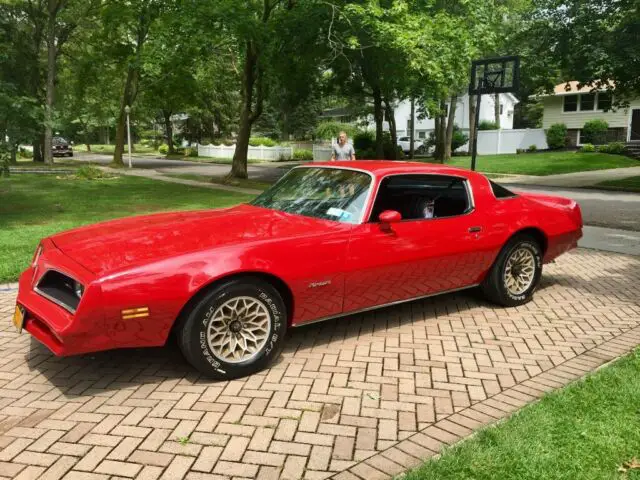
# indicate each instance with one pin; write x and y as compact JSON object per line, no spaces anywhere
{"x":496,"y":109}
{"x":127,"y":99}
{"x":448,"y":151}
{"x":37,"y":148}
{"x":14,"y":153}
{"x":168,"y":130}
{"x":393,"y":132}
{"x":252,"y":77}
{"x":377,"y":115}
{"x":413,"y":127}
{"x":441,"y":126}
{"x":285,"y":126}
{"x":51,"y":75}
{"x":472,"y":121}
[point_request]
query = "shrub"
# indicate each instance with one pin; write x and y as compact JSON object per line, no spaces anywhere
{"x":228,"y":143}
{"x":190,"y":152}
{"x":458,"y":139}
{"x":24,"y":153}
{"x":163,"y":149}
{"x":615,"y":148}
{"x":328,"y":130}
{"x":520,"y":150}
{"x":88,"y":172}
{"x":364,"y":140}
{"x":367,"y":154}
{"x":532,"y":148}
{"x":262,"y":141}
{"x":302,"y":154}
{"x":595,"y":131}
{"x":557,"y":136}
{"x":588,"y":148}
{"x":487,"y":125}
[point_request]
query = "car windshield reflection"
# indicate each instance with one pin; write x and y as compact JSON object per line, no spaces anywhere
{"x":327,"y":193}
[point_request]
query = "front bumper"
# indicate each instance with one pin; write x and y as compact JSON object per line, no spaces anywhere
{"x":60,"y":330}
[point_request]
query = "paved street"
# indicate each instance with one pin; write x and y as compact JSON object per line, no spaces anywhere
{"x":602,"y":208}
{"x":365,"y":396}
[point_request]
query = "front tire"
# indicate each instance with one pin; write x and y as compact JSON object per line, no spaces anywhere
{"x":234,"y":330}
{"x":516,"y":272}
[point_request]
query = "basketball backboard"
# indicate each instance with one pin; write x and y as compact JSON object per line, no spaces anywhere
{"x":495,"y":75}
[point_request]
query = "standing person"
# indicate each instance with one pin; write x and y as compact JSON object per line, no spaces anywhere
{"x":343,"y":150}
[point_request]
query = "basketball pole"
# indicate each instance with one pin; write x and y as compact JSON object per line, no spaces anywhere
{"x":474,"y":152}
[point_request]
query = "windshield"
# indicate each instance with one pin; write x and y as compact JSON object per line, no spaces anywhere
{"x":327,"y":193}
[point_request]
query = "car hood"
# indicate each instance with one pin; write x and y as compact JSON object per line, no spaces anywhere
{"x":129,"y":242}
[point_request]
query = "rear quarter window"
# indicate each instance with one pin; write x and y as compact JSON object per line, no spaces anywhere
{"x":501,"y":192}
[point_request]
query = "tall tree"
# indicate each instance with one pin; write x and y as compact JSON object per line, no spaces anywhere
{"x":592,"y":41}
{"x":127,"y":26}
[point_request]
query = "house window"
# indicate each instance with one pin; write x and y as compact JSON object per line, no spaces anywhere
{"x":422,"y":135}
{"x":501,"y":108}
{"x":604,"y":101}
{"x":587,"y":102}
{"x":409,"y":125}
{"x":571,"y":103}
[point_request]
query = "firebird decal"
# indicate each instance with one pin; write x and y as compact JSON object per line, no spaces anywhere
{"x":319,"y":284}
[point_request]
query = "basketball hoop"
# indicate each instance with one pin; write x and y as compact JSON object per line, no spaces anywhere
{"x":492,"y":76}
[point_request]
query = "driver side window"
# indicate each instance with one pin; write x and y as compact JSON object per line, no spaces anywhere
{"x":420,"y":197}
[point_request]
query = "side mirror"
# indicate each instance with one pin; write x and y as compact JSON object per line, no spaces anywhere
{"x":389,"y":217}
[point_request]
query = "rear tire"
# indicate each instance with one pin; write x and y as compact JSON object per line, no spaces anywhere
{"x":236,"y":329}
{"x":515,"y":274}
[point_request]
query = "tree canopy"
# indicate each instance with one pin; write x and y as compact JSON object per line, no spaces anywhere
{"x":229,"y":69}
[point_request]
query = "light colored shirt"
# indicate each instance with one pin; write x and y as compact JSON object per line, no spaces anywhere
{"x":343,"y":152}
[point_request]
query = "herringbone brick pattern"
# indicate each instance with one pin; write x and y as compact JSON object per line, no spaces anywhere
{"x":360,"y":397}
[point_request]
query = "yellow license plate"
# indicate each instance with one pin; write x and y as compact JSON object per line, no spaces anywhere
{"x":18,"y":318}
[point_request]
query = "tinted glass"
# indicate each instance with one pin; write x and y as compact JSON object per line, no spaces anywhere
{"x":421,"y":196}
{"x":327,"y":193}
{"x":500,"y":192}
{"x":570,"y":103}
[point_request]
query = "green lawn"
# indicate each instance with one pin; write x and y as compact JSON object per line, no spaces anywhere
{"x":35,"y":206}
{"x":545,"y":163}
{"x":629,"y":184}
{"x":109,"y":149}
{"x":585,"y":431}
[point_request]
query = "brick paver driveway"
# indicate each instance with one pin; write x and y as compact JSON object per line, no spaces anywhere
{"x":365,"y":396}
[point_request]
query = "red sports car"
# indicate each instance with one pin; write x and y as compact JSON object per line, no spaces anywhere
{"x":328,"y":239}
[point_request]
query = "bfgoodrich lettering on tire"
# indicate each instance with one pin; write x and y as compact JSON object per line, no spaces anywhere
{"x":235,"y":329}
{"x":516,"y":272}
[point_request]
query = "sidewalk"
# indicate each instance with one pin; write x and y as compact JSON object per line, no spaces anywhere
{"x":147,"y":173}
{"x":577,"y":179}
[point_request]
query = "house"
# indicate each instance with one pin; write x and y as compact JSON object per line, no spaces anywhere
{"x":487,"y":113}
{"x":575,"y":106}
{"x":423,"y":127}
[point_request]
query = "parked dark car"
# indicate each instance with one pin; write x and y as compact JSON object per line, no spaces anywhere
{"x":61,"y":148}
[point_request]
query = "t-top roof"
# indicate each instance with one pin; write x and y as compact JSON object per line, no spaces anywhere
{"x":386,"y":167}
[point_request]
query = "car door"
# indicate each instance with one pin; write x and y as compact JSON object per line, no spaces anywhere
{"x":417,"y":256}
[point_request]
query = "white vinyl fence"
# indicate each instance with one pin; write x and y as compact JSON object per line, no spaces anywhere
{"x":259,"y":153}
{"x":491,"y":142}
{"x":321,"y":153}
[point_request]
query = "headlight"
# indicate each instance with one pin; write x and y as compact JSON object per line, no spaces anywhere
{"x":36,"y":256}
{"x":78,"y":289}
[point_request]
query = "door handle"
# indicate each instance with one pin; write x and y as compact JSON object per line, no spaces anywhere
{"x":475,"y":229}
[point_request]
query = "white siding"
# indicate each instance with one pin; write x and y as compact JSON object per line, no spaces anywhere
{"x":553,"y":113}
{"x":402,"y":114}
